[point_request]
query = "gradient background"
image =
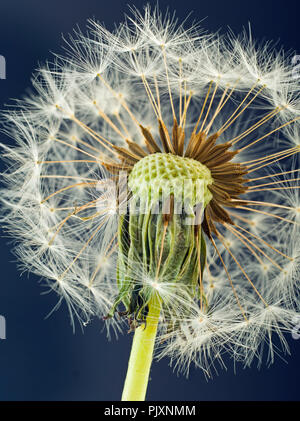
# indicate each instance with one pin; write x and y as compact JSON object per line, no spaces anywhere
{"x":42,"y":359}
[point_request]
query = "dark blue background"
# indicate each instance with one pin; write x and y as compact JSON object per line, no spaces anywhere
{"x":42,"y":359}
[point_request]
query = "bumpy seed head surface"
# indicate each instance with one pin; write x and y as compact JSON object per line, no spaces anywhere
{"x":176,"y":174}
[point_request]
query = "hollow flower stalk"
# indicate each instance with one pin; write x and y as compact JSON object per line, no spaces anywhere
{"x":154,"y":183}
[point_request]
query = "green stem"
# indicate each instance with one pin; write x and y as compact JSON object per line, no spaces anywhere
{"x":137,"y":377}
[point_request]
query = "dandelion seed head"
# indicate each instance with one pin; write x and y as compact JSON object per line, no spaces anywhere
{"x":162,"y":103}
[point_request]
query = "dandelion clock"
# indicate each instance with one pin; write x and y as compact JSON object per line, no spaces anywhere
{"x":154,"y":184}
